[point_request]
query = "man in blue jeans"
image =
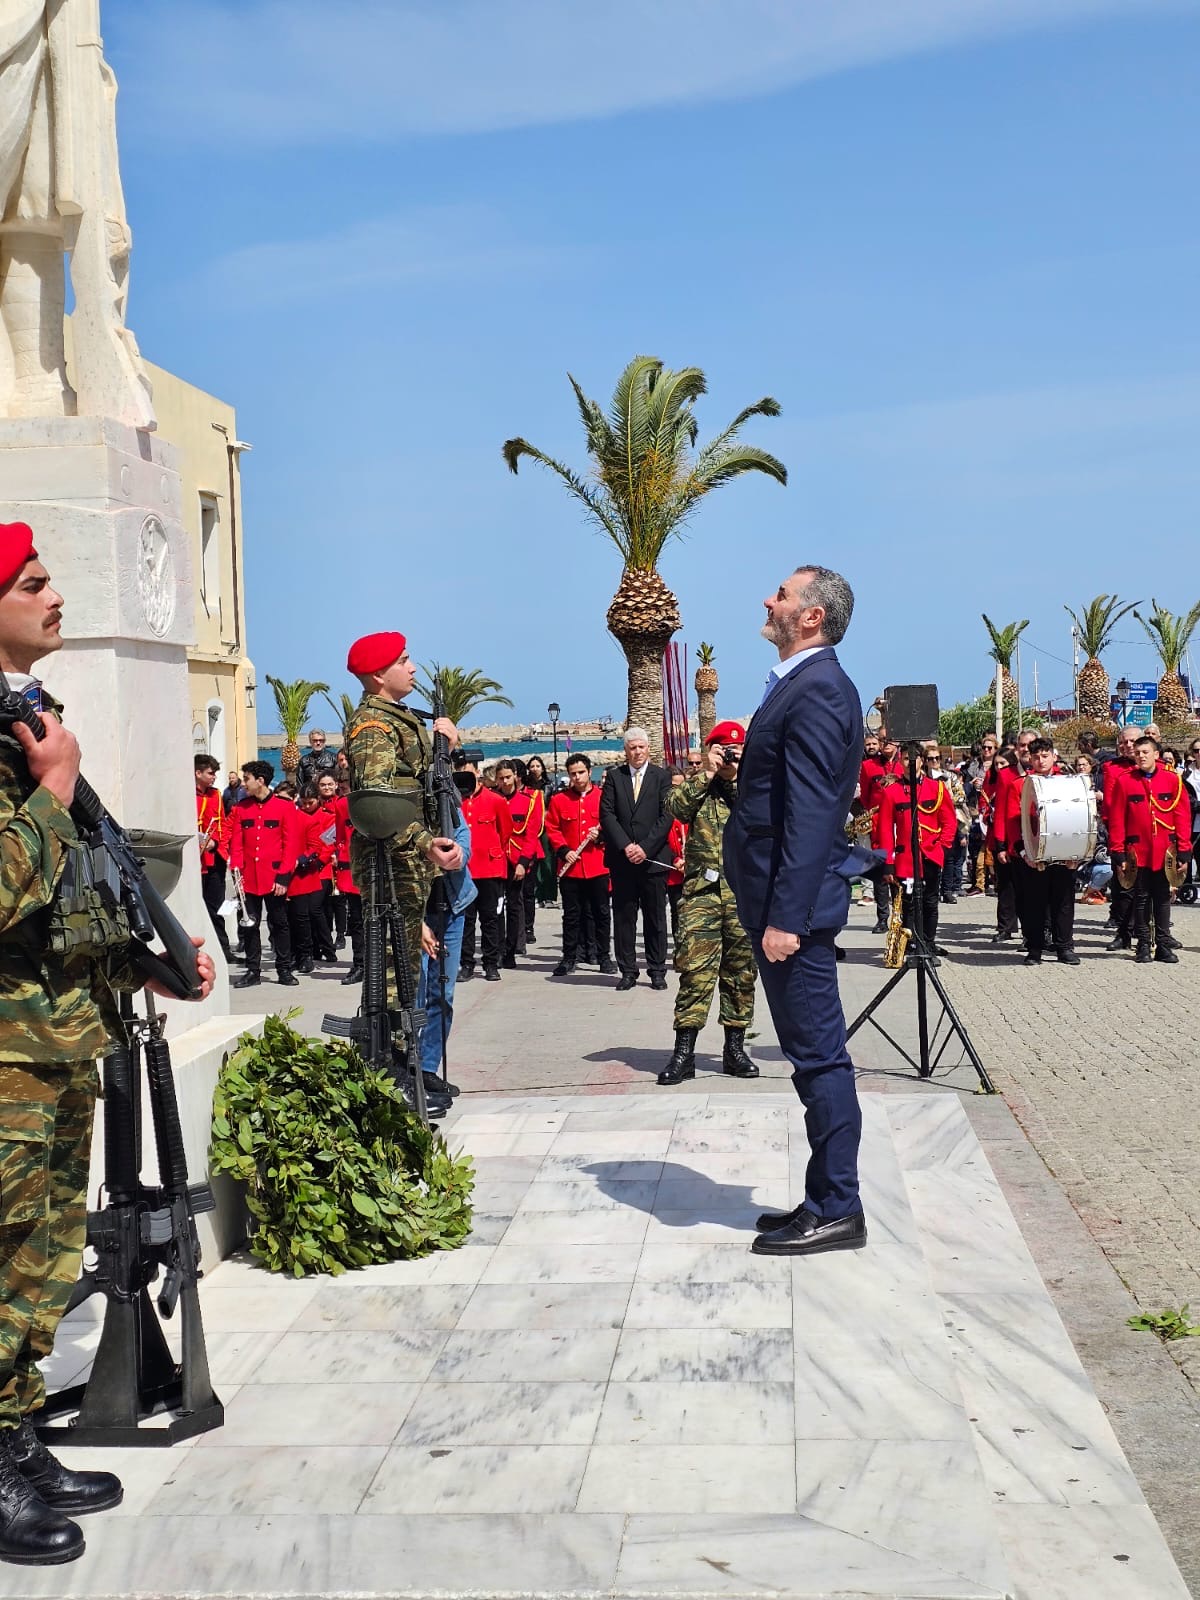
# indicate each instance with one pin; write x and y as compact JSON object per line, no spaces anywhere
{"x":452,"y":894}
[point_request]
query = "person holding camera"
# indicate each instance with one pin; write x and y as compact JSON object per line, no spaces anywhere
{"x":713,"y":949}
{"x":59,"y":976}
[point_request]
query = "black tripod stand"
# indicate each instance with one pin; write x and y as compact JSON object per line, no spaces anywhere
{"x":920,"y":959}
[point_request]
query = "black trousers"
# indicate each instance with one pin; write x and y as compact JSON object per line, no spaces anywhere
{"x":931,"y":888}
{"x":514,"y":912}
{"x":486,"y":911}
{"x":529,"y":896}
{"x":1007,"y":893}
{"x":309,"y":927}
{"x":674,"y":896}
{"x":637,"y":889}
{"x":582,"y":897}
{"x":336,"y":911}
{"x":354,"y":924}
{"x":212,"y":887}
{"x":281,"y":933}
{"x":1048,"y":895}
{"x":1151,"y":906}
{"x":1122,"y":908}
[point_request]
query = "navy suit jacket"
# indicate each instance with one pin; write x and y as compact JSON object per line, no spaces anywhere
{"x":786,"y":854}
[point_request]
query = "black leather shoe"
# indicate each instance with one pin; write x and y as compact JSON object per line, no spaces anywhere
{"x":465,"y":974}
{"x":305,"y":966}
{"x":999,"y":938}
{"x":627,"y":981}
{"x":439,"y":1087}
{"x":32,"y":1533}
{"x":1033,"y":958}
{"x":838,"y":953}
{"x":247,"y":980}
{"x":810,"y":1236}
{"x":288,"y":979}
{"x":881,"y":925}
{"x":491,"y":975}
{"x":683,"y":1063}
{"x":58,"y":1486}
{"x":1143,"y":953}
{"x":658,"y":981}
{"x":1168,"y":941}
{"x":509,"y":963}
{"x":564,"y":969}
{"x":1068,"y":958}
{"x":355,"y":975}
{"x":735,"y":1063}
{"x":1161,"y":953}
{"x":770,"y":1220}
{"x":608,"y":968}
{"x":1121,"y":942}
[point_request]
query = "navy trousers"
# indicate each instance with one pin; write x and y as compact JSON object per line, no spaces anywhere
{"x":802,"y":993}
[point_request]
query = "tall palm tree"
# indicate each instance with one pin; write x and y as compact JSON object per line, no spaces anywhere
{"x":1095,"y":624}
{"x":646,"y":479}
{"x":1170,"y":636}
{"x":462,"y":689}
{"x":343,"y":709}
{"x":707,"y":684}
{"x":292,"y":702}
{"x":1003,"y":649}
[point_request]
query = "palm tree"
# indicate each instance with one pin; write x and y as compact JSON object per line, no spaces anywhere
{"x":1170,"y":636}
{"x":461,"y":690}
{"x":344,"y":712}
{"x":292,"y":702}
{"x":707,"y":684}
{"x":646,"y":479}
{"x":1095,"y":624}
{"x":1004,"y":648}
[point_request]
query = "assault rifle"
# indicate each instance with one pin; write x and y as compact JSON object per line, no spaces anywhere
{"x":144,"y":1230}
{"x":148,"y":912}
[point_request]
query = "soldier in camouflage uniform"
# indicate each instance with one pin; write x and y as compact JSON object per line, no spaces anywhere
{"x":61,"y":961}
{"x":388,"y":748}
{"x":713,"y":948}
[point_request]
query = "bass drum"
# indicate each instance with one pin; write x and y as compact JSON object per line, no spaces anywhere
{"x":1058,"y":818}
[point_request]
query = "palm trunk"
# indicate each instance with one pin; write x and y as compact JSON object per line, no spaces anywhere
{"x":644,"y":660}
{"x":706,"y":712}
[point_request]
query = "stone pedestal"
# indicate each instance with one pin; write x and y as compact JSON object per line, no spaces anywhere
{"x":104,"y":502}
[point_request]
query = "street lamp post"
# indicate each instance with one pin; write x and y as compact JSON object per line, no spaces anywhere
{"x":552,"y":711}
{"x":1123,"y":697}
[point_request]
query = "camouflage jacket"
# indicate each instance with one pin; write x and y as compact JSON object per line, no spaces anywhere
{"x":704,"y":803}
{"x":387,"y":748}
{"x":53,"y":1008}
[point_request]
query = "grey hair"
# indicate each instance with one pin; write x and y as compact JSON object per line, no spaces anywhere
{"x":636,"y":733}
{"x":833,"y":594}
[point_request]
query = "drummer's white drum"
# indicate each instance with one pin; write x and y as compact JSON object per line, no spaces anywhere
{"x":1058,"y":818}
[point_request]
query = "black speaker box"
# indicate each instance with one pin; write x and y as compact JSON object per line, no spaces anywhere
{"x":912,"y":711}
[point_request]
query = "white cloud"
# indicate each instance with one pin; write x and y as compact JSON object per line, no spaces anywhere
{"x":288,"y":72}
{"x":438,"y":243}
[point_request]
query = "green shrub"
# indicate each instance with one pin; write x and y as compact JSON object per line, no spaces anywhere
{"x":338,"y":1170}
{"x":962,"y":724}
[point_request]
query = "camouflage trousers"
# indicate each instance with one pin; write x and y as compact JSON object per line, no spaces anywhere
{"x":712,"y":948}
{"x":45,"y":1142}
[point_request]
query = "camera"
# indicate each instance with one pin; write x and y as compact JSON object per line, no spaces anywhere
{"x":730,"y":753}
{"x":464,"y":782}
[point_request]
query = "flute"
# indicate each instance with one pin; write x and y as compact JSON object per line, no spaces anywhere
{"x":573,"y":856}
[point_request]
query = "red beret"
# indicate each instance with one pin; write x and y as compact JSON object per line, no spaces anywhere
{"x":16,"y":548}
{"x":727,"y":733}
{"x":375,"y":652}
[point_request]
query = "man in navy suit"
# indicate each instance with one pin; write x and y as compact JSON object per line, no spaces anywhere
{"x":788,"y":862}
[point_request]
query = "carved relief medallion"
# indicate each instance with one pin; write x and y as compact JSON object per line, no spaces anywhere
{"x":156,"y":576}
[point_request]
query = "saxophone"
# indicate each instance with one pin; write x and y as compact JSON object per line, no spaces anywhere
{"x":895,"y":945}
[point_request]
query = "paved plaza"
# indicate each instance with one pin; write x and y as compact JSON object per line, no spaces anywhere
{"x":604,"y":1393}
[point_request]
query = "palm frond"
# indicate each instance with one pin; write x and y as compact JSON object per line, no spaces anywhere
{"x":704,"y":654}
{"x":1004,"y":640}
{"x":630,"y":427}
{"x":595,"y":423}
{"x":514,"y":449}
{"x":766,"y":407}
{"x":1170,"y":634}
{"x":343,"y":712}
{"x":461,"y":689}
{"x":292,"y":701}
{"x":1096,"y":622}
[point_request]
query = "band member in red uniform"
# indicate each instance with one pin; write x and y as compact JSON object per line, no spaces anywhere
{"x":347,"y":891}
{"x":335,"y":906}
{"x":1008,"y":880}
{"x":937,"y":825}
{"x":1115,"y":772}
{"x":527,"y":808}
{"x":881,"y":766}
{"x":490,"y":822}
{"x":213,"y":826}
{"x":263,"y":840}
{"x":1046,"y":889}
{"x":676,"y":845}
{"x":312,"y":940}
{"x":573,"y":829}
{"x":1150,"y":810}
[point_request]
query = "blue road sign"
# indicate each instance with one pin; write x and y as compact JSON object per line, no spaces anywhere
{"x":1141,"y":715}
{"x":1142,"y":692}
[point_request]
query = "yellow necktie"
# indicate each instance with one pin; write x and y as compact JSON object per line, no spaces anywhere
{"x":637,"y":784}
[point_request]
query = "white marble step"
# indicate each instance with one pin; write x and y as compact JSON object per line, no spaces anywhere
{"x":606,"y":1394}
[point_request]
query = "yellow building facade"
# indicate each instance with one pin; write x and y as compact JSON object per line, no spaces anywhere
{"x":221,"y":675}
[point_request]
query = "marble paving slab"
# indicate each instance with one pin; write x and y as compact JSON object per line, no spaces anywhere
{"x":606,"y":1395}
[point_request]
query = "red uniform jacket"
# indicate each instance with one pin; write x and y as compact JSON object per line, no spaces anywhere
{"x":1146,"y":811}
{"x":677,"y":844}
{"x":314,"y":837}
{"x":341,"y":846}
{"x":490,"y":821}
{"x":328,"y":810}
{"x":936,"y":821}
{"x":570,"y":817}
{"x":871,"y":789}
{"x":263,"y":842}
{"x":1008,"y":780}
{"x":211,"y":816}
{"x":1114,"y":771}
{"x":528,"y":811}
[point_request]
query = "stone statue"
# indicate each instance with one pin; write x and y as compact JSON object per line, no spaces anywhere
{"x":60,"y":193}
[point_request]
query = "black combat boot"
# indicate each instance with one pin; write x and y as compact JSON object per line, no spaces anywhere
{"x":287,"y":978}
{"x":1121,"y":941}
{"x":1143,"y":952}
{"x":355,"y":975}
{"x":735,"y":1063}
{"x":683,"y":1063}
{"x":58,"y":1486}
{"x":31,"y":1532}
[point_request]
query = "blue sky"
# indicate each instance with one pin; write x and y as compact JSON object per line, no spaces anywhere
{"x":956,"y":239}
